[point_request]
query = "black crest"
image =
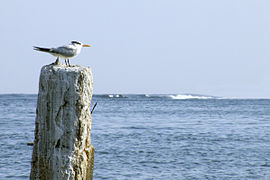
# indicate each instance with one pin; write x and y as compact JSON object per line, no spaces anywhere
{"x":76,"y":42}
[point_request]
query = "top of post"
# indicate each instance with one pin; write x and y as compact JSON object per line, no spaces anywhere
{"x":61,"y":67}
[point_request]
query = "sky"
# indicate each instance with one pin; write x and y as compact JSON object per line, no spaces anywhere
{"x":209,"y":47}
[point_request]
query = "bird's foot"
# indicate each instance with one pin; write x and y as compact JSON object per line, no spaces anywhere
{"x":68,"y":63}
{"x":57,"y":62}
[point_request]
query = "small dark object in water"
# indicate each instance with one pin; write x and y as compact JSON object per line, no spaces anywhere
{"x":93,"y":108}
{"x":30,"y":144}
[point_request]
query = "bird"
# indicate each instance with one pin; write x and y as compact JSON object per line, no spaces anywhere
{"x":66,"y":52}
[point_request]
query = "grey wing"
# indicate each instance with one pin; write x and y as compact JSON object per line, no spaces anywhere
{"x":64,"y":51}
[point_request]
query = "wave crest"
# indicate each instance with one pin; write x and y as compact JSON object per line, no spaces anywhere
{"x":158,"y":96}
{"x":116,"y":96}
{"x":189,"y":96}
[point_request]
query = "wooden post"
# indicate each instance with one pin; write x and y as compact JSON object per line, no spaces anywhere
{"x":62,"y":147}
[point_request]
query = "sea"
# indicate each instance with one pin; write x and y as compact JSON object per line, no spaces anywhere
{"x":154,"y":137}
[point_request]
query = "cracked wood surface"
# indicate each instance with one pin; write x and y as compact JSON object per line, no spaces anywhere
{"x":62,"y":147}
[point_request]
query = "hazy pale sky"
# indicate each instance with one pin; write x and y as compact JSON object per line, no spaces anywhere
{"x":207,"y":47}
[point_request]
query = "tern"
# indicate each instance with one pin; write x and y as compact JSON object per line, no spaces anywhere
{"x":66,"y":52}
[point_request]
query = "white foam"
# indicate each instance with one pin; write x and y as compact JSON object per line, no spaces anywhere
{"x":115,"y":95}
{"x":188,"y":96}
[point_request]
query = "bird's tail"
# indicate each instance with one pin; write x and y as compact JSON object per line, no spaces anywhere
{"x":41,"y":49}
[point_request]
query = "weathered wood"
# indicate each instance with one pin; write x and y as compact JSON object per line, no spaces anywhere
{"x":62,"y":147}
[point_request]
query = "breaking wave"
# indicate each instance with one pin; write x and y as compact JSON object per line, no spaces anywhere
{"x":155,"y":96}
{"x":188,"y":96}
{"x":116,"y":96}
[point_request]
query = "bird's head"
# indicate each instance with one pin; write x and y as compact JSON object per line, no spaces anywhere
{"x":78,"y":43}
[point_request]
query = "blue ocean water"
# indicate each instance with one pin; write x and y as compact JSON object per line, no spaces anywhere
{"x":154,"y":137}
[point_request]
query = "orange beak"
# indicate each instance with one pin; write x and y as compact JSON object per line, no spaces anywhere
{"x":86,"y":45}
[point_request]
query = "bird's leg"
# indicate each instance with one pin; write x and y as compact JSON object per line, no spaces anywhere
{"x":57,"y":62}
{"x":68,"y":62}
